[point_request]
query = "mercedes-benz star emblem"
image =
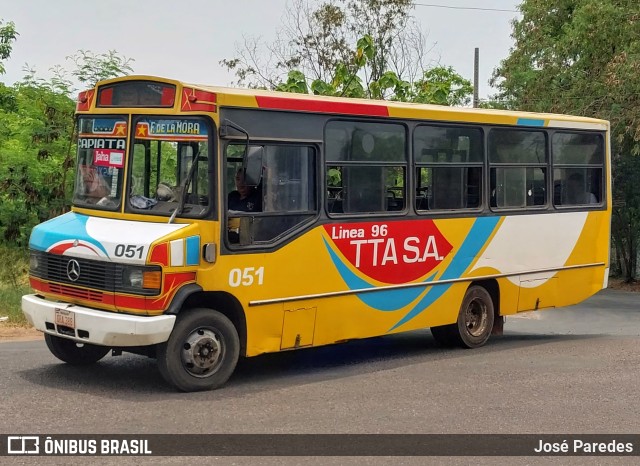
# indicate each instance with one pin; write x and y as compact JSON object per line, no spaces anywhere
{"x":73,"y":270}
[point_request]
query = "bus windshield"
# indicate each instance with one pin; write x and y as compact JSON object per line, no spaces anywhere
{"x":100,"y":164}
{"x":162,"y":154}
{"x":162,"y":167}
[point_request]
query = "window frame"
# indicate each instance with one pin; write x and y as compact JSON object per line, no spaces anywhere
{"x":287,"y":234}
{"x":404,"y":163}
{"x":546,"y":166}
{"x":211,"y":211}
{"x":566,"y":166}
{"x":419,"y":165}
{"x":123,"y":175}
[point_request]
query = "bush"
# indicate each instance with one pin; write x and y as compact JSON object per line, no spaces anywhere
{"x":10,"y":303}
{"x":15,"y":266}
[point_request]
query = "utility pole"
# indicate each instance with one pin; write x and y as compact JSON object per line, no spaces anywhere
{"x":476,"y":65}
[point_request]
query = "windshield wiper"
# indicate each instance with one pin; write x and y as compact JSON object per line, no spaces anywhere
{"x":183,"y":191}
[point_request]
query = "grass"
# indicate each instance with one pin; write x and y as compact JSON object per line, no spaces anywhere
{"x":10,"y":299}
{"x":13,"y":284}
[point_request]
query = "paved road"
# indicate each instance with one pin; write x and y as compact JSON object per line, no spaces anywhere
{"x":572,"y":370}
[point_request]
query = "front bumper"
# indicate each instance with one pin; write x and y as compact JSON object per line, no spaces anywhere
{"x":98,"y":327}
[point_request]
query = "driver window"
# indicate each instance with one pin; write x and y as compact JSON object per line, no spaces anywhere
{"x":284,"y":197}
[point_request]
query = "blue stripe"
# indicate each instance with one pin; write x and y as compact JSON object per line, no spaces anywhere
{"x":389,"y":300}
{"x":530,"y":122}
{"x":70,"y":226}
{"x":193,"y":250}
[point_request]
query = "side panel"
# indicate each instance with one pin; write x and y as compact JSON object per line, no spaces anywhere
{"x":340,"y":282}
{"x":415,"y":274}
{"x":298,"y":327}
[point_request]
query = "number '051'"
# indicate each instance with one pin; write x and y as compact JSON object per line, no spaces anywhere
{"x":246,"y":277}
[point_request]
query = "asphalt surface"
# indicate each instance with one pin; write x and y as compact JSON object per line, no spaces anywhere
{"x":570,"y":370}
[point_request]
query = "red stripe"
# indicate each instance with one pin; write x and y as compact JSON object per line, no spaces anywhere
{"x":38,"y":285}
{"x":131,"y":302}
{"x":205,"y":96}
{"x":194,"y":100}
{"x":172,"y":282}
{"x":63,"y":290}
{"x":160,"y":254}
{"x":84,"y":100}
{"x":106,"y":97}
{"x":60,"y":248}
{"x":322,"y":106}
{"x":168,"y":96}
{"x":198,"y":107}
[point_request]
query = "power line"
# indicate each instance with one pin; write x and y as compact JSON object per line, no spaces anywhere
{"x":432,"y":5}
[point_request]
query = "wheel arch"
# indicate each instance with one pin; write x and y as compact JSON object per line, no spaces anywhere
{"x":220,"y":301}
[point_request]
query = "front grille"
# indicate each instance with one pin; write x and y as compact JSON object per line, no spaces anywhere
{"x":99,"y":276}
{"x":93,"y":274}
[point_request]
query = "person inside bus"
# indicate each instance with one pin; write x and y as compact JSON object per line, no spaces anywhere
{"x":93,"y":183}
{"x":245,"y":198}
{"x":575,"y":192}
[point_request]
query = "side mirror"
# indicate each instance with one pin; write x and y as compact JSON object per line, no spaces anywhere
{"x":253,"y":165}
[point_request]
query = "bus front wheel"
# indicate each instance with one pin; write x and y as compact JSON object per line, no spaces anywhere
{"x":474,"y":324}
{"x":76,"y":354}
{"x":201,"y":352}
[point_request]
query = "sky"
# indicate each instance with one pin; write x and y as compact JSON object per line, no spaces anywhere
{"x":185,"y":40}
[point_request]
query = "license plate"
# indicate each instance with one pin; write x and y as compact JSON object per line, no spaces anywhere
{"x":66,"y":318}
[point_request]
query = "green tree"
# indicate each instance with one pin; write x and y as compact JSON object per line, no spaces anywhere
{"x":442,"y":85}
{"x":583,"y":57}
{"x":439,"y":85}
{"x":34,"y":147}
{"x":8,"y":35}
{"x":91,"y":67}
{"x":37,"y":141}
{"x":316,"y":41}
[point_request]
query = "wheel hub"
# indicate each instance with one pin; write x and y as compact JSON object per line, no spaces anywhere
{"x":476,"y":317}
{"x":202,"y":352}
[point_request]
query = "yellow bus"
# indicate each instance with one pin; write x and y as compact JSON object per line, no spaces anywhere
{"x":211,"y":223}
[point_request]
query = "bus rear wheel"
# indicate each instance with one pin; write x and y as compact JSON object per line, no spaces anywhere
{"x":474,"y":324}
{"x":201,"y":352}
{"x":76,"y":354}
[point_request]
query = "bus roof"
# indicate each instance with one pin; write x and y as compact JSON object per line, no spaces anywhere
{"x":273,"y":100}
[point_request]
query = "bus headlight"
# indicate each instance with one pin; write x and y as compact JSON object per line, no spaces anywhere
{"x":132,"y":278}
{"x":37,"y":264}
{"x":34,"y":262}
{"x":143,"y":280}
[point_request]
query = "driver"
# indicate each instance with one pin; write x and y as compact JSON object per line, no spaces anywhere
{"x":245,"y":198}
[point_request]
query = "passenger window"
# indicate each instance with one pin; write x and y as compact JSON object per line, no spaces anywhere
{"x":518,"y":168}
{"x":366,"y":167}
{"x":449,"y":163}
{"x":578,"y":175}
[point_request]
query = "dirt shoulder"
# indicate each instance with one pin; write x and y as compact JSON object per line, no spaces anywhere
{"x":618,"y":284}
{"x":12,"y":333}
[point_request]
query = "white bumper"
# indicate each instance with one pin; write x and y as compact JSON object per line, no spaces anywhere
{"x":98,"y":327}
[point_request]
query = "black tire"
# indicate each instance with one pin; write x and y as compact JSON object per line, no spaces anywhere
{"x":76,"y":354}
{"x":443,"y":335}
{"x":475,"y":321}
{"x":202,"y":351}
